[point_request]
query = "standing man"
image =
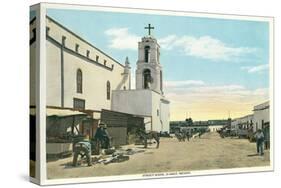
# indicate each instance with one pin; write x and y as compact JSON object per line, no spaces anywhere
{"x":102,"y":136}
{"x":200,"y":133}
{"x":106,"y":137}
{"x":259,"y":141}
{"x":188,"y":134}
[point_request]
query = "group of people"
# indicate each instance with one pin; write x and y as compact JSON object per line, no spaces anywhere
{"x":103,"y":136}
{"x":85,"y":147}
{"x":186,"y":134}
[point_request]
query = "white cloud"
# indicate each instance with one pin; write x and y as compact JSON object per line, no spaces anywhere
{"x":210,"y":93}
{"x":168,"y":42}
{"x":183,"y":83}
{"x":122,"y":39}
{"x":204,"y":47}
{"x":256,"y":69}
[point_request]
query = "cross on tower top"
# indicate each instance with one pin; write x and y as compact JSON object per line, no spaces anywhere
{"x":149,"y":28}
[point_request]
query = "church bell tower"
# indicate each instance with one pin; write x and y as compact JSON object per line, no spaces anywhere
{"x":149,"y":71}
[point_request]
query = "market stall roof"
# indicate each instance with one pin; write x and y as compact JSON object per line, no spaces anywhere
{"x":59,"y":112}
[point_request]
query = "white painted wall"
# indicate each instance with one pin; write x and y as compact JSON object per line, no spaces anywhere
{"x":95,"y":77}
{"x":215,"y":128}
{"x":165,"y":116}
{"x":161,"y":119}
{"x":137,"y":102}
{"x":145,"y":103}
{"x":53,"y":75}
{"x":261,"y":114}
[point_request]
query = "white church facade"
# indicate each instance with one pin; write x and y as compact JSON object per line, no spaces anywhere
{"x":81,"y":76}
{"x":148,"y":98}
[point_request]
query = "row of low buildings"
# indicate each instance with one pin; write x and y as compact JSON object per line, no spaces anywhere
{"x":260,"y":119}
{"x":209,"y":125}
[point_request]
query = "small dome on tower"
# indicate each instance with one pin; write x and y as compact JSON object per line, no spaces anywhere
{"x":127,"y":66}
{"x":127,"y":63}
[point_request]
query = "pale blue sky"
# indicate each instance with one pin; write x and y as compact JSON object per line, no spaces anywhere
{"x":226,"y":59}
{"x":177,"y":65}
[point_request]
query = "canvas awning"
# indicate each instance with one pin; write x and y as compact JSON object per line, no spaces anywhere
{"x":63,"y":112}
{"x":59,"y":112}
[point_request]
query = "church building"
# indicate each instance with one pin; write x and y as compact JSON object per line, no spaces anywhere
{"x":81,"y":77}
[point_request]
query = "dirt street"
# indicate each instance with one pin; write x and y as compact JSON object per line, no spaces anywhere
{"x":208,"y":152}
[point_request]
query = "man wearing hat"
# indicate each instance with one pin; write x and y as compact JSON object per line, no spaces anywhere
{"x":102,"y":135}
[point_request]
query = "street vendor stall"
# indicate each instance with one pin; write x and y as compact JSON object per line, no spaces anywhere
{"x":62,"y":126}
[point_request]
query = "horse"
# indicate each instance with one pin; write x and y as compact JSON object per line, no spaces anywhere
{"x":180,"y":136}
{"x":183,"y":134}
{"x":144,"y":136}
